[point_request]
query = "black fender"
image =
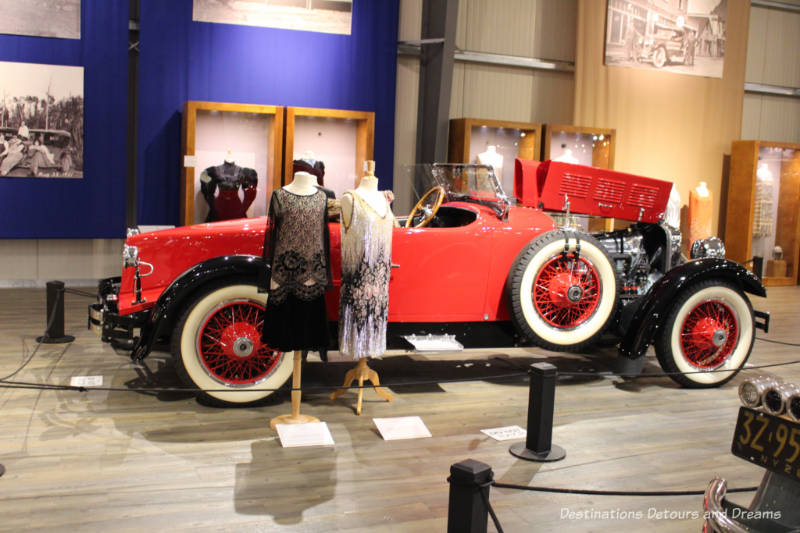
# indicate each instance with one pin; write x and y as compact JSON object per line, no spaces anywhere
{"x":170,"y":304}
{"x":653,"y":307}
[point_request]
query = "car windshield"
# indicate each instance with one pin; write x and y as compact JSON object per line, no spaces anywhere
{"x":461,"y":182}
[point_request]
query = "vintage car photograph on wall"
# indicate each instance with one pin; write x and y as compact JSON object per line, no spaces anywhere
{"x":466,"y":257}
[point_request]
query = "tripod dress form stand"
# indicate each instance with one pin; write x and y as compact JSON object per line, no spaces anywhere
{"x":367,"y":223}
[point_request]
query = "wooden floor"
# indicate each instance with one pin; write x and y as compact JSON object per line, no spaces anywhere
{"x":137,"y":461}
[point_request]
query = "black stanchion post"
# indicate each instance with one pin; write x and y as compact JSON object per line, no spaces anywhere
{"x":54,"y":320}
{"x":466,"y":510}
{"x":538,"y":444}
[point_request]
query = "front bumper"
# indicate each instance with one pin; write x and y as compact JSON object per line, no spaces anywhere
{"x":104,"y":318}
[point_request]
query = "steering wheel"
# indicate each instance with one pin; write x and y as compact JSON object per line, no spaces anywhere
{"x":428,"y":213}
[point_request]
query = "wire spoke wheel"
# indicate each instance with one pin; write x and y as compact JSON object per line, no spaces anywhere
{"x":230,"y":346}
{"x":709,"y":334}
{"x":217,"y":346}
{"x":562,"y":290}
{"x":566,"y":291}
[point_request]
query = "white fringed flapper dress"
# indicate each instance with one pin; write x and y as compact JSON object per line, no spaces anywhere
{"x":366,"y":268}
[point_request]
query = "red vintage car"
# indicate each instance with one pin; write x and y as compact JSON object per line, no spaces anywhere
{"x":468,"y":261}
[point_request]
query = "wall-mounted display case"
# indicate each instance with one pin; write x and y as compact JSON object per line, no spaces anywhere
{"x":342,"y":140}
{"x":232,"y":155}
{"x":494,"y":142}
{"x":764,"y":195}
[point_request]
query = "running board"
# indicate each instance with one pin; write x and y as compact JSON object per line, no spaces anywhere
{"x":434,"y":343}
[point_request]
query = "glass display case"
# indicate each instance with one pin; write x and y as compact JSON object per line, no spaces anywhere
{"x":494,"y":142}
{"x":764,"y":194}
{"x":333,"y":144}
{"x":230,"y":152}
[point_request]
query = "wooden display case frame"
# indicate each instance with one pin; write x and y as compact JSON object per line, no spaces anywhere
{"x":189,"y":140}
{"x":461,"y":138}
{"x":365,"y":136}
{"x":738,"y":236}
{"x":595,"y":224}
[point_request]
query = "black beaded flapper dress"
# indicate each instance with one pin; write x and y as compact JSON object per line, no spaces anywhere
{"x":296,"y":251}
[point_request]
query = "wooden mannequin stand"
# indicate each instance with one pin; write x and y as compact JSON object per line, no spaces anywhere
{"x":362,"y":372}
{"x":295,"y":417}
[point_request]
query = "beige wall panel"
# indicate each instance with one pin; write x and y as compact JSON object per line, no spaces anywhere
{"x":553,"y":97}
{"x":19,"y":260}
{"x":780,"y":119}
{"x":410,"y":20}
{"x":405,"y":130}
{"x":554,"y":34}
{"x":79,"y":258}
{"x":500,"y":26}
{"x":497,"y":92}
{"x":781,"y":62}
{"x":751,"y":116}
{"x":461,"y":26}
{"x":669,"y":126}
{"x":757,"y":45}
{"x":457,"y":91}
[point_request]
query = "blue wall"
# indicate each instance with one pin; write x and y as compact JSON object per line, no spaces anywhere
{"x":95,"y":205}
{"x":183,"y":60}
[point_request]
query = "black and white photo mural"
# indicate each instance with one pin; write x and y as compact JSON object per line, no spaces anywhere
{"x":41,"y":18}
{"x":324,"y":16}
{"x":41,"y":121}
{"x":681,"y":36}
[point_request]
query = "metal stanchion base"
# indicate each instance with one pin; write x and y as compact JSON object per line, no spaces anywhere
{"x":556,"y":453}
{"x":2,"y":470}
{"x":55,"y":340}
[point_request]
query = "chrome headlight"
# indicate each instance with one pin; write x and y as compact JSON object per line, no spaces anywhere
{"x":751,"y":391}
{"x":778,"y":398}
{"x":710,"y":247}
{"x":133,"y":231}
{"x":130,"y":256}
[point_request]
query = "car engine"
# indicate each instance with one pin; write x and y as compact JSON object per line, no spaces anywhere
{"x":641,"y":255}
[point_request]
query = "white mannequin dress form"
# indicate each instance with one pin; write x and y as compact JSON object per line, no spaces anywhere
{"x":491,"y":158}
{"x":567,"y":157}
{"x":368,"y":193}
{"x":303,"y":184}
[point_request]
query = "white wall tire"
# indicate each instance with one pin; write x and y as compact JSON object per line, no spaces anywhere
{"x":708,"y":335}
{"x":214,"y":353}
{"x":559,"y":301}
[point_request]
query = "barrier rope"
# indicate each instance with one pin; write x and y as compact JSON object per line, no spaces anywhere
{"x":591,"y":492}
{"x":5,"y":383}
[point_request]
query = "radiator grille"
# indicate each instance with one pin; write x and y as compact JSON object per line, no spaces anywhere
{"x":643,"y":196}
{"x":575,"y":186}
{"x":609,"y":191}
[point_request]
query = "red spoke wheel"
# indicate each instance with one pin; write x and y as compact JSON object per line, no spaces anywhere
{"x":707,"y":336}
{"x":566,"y":291}
{"x":217,"y":346}
{"x":229,"y":344}
{"x":563,"y":290}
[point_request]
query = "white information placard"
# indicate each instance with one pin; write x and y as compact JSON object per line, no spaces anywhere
{"x":311,"y":434}
{"x":402,"y":427}
{"x":506,"y":433}
{"x":86,"y":381}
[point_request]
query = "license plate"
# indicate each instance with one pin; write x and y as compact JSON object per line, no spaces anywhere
{"x":768,"y":441}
